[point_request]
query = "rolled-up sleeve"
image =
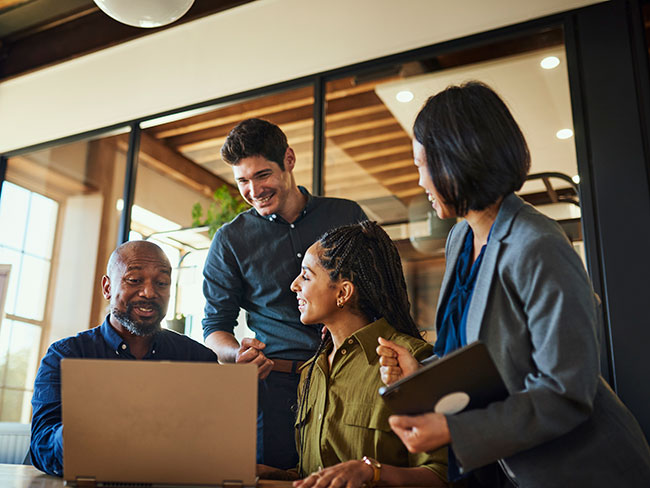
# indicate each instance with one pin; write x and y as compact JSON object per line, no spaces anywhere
{"x":46,"y":444}
{"x":222,"y":286}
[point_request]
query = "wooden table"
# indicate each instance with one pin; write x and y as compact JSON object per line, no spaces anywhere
{"x":20,"y":476}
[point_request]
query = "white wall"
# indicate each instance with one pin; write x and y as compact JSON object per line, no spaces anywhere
{"x":257,"y":44}
{"x":74,"y":287}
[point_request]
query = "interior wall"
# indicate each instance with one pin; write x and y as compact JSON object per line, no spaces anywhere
{"x":234,"y":51}
{"x":74,"y":285}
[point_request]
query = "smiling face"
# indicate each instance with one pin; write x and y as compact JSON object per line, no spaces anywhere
{"x":443,"y":210}
{"x":137,"y":286}
{"x":263,"y":184}
{"x":316,"y":292}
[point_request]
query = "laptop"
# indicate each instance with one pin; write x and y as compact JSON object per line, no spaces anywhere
{"x":462,"y":380}
{"x":158,"y":423}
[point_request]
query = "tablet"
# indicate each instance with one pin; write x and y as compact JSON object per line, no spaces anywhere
{"x":464,"y":379}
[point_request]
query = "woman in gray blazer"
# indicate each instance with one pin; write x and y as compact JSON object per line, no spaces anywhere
{"x":514,"y":282}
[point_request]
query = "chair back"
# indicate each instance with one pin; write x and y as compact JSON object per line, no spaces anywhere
{"x":14,"y":442}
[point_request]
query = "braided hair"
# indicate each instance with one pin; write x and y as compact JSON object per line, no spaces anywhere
{"x":365,"y":255}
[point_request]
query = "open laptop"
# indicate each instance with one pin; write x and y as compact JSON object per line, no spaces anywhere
{"x":157,"y":423}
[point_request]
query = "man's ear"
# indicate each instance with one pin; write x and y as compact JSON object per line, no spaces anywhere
{"x":106,"y":287}
{"x":289,"y":159}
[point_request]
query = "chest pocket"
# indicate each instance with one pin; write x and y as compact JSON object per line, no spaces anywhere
{"x":366,"y":415}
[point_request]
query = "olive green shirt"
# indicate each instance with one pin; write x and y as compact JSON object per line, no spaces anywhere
{"x":345,"y":418}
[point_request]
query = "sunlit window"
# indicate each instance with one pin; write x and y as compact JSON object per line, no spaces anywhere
{"x":28,"y":223}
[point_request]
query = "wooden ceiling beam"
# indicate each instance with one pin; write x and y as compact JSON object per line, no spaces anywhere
{"x":169,"y":163}
{"x":288,"y":119}
{"x":232,"y":114}
{"x":365,"y":153}
{"x":352,"y":124}
{"x":370,"y":136}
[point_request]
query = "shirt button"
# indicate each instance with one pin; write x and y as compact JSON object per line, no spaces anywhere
{"x":117,"y":352}
{"x":320,"y":416}
{"x":299,"y":254}
{"x":292,"y":226}
{"x":343,"y":351}
{"x":123,"y":346}
{"x":153,"y":352}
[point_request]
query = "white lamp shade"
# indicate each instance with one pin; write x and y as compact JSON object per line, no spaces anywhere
{"x":145,"y":13}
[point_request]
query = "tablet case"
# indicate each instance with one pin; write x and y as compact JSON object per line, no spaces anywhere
{"x":464,"y":379}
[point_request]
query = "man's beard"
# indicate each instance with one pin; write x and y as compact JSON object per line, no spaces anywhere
{"x":139,"y":327}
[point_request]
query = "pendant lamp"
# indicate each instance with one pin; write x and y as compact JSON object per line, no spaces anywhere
{"x":145,"y":13}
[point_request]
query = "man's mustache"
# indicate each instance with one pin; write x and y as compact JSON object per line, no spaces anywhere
{"x":144,"y":304}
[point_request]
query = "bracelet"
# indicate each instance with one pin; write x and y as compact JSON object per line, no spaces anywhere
{"x":376,"y":470}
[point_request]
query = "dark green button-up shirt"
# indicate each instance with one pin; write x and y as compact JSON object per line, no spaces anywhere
{"x":345,"y":418}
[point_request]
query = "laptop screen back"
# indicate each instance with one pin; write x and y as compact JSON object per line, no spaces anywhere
{"x":159,"y":422}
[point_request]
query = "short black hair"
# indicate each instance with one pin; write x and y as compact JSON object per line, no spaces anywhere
{"x":255,"y":137}
{"x":476,"y":152}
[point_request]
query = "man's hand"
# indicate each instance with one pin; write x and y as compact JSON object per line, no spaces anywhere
{"x":250,"y":351}
{"x":421,"y":433}
{"x":396,"y":361}
{"x":350,"y":474}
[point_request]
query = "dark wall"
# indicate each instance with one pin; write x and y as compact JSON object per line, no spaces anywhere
{"x":608,"y":71}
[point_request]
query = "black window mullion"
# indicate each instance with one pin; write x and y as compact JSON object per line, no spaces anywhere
{"x":129,"y":183}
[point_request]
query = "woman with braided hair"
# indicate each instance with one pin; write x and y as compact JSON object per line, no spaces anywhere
{"x":352,"y":283}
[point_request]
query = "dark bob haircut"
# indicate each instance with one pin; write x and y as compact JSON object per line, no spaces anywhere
{"x":255,"y":137}
{"x":475,"y":150}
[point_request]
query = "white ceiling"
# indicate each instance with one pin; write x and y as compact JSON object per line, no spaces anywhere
{"x":538,"y":98}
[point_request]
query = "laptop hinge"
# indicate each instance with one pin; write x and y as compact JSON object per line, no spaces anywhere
{"x":232,"y":484}
{"x":85,"y":482}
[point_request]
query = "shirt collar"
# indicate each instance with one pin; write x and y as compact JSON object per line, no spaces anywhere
{"x":115,"y":341}
{"x":306,"y":209}
{"x":367,"y":337}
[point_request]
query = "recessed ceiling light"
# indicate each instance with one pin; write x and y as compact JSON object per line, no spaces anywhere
{"x":550,"y":62}
{"x":404,"y":96}
{"x":576,"y":179}
{"x":564,"y":133}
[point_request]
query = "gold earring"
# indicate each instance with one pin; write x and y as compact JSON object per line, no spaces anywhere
{"x":340,"y":303}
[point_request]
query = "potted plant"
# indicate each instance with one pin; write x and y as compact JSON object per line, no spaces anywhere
{"x":221,"y":210}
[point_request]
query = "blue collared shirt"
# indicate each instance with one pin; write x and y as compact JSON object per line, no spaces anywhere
{"x":251,"y":264}
{"x":102,"y":342}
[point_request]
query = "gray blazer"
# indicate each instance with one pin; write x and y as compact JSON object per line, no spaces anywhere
{"x":534,"y":308}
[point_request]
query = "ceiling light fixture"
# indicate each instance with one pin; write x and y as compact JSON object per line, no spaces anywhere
{"x":564,"y":133}
{"x":404,"y":96}
{"x":550,"y":62}
{"x":576,"y":179}
{"x":145,"y":13}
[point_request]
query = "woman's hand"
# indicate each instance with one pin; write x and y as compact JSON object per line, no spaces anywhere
{"x":421,"y":433}
{"x":396,"y":361}
{"x":350,"y":474}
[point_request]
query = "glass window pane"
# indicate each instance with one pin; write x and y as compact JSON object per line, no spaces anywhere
{"x":5,"y":336}
{"x":32,"y":288}
{"x":13,"y":215}
{"x":181,"y":157}
{"x":369,"y":159}
{"x":14,"y":258}
{"x":15,"y":405}
{"x":22,"y":355}
{"x":69,"y":228}
{"x":40,"y":227}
